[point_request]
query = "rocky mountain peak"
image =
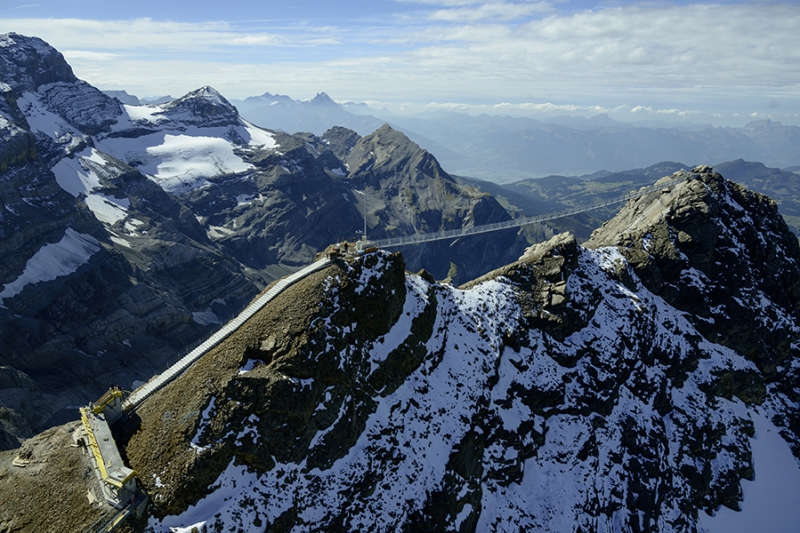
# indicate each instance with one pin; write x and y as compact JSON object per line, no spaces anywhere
{"x":322,"y":99}
{"x":341,"y":141}
{"x":555,"y":394}
{"x":36,"y":80}
{"x":386,"y":151}
{"x":204,"y":106}
{"x":28,"y":62}
{"x":720,"y":252}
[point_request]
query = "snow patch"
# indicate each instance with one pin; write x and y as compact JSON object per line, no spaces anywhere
{"x":416,"y":298}
{"x":107,"y":208}
{"x":205,"y":419}
{"x":40,"y":119}
{"x":259,"y":138}
{"x":182,"y":162}
{"x":73,"y":177}
{"x":54,"y":260}
{"x":770,"y":500}
{"x":207,"y":317}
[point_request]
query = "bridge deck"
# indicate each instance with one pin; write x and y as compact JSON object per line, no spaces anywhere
{"x":143,"y":392}
{"x":418,"y":238}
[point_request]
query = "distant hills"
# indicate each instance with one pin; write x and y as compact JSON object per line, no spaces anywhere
{"x":504,"y":148}
{"x":531,"y":196}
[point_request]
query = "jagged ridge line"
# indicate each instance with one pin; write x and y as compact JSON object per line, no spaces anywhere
{"x":517,"y":222}
{"x":144,"y":392}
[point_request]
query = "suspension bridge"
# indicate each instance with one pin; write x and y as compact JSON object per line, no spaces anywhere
{"x":394,"y":242}
{"x":122,"y":495}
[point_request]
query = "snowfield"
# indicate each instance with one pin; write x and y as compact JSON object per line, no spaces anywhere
{"x":54,"y":260}
{"x":544,"y":469}
{"x":179,"y":157}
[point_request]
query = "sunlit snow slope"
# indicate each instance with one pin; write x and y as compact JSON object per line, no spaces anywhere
{"x":557,"y":394}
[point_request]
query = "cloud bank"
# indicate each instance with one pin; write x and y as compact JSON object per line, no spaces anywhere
{"x":659,"y":60}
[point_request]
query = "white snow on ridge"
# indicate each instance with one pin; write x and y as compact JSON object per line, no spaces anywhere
{"x":40,"y":119}
{"x":179,"y":159}
{"x":420,"y":423}
{"x":73,"y":178}
{"x":144,"y":113}
{"x":770,"y":500}
{"x":108,"y":209}
{"x":183,"y":161}
{"x":204,"y":318}
{"x":179,"y":155}
{"x":416,"y":299}
{"x":259,"y":138}
{"x":54,"y":260}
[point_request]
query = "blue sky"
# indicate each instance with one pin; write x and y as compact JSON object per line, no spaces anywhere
{"x":726,"y":62}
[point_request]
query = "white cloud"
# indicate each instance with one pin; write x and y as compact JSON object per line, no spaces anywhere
{"x":669,"y":60}
{"x":154,"y":37}
{"x":491,"y":11}
{"x":72,"y":55}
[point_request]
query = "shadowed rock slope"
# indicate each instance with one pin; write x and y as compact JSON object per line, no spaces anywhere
{"x":127,"y":233}
{"x":105,"y":277}
{"x":572,"y":390}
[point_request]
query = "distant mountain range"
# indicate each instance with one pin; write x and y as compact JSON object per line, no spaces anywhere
{"x":504,"y":148}
{"x":552,"y":193}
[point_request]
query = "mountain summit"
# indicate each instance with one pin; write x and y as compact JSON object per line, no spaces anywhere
{"x":205,"y":106}
{"x":571,"y":390}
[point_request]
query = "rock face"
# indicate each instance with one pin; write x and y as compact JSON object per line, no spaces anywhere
{"x":408,"y":192}
{"x":105,"y":276}
{"x":575,"y":389}
{"x":714,"y":231}
{"x":129,"y":232}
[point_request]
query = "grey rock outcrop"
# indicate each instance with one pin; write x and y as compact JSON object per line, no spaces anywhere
{"x":561,"y":391}
{"x":408,"y":192}
{"x":166,"y":219}
{"x":713,"y":231}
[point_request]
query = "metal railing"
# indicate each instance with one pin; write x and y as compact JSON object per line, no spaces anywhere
{"x":517,"y":222}
{"x":143,"y":392}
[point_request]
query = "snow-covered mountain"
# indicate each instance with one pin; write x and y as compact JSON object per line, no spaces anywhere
{"x":647,"y":381}
{"x":128,"y":232}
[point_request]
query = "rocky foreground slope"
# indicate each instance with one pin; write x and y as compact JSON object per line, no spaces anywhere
{"x":129,"y":232}
{"x":648,"y":381}
{"x":618,"y":386}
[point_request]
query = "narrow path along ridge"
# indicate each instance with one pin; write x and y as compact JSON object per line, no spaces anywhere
{"x":143,"y":392}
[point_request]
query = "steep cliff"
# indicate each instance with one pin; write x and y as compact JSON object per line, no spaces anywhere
{"x":573,"y":389}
